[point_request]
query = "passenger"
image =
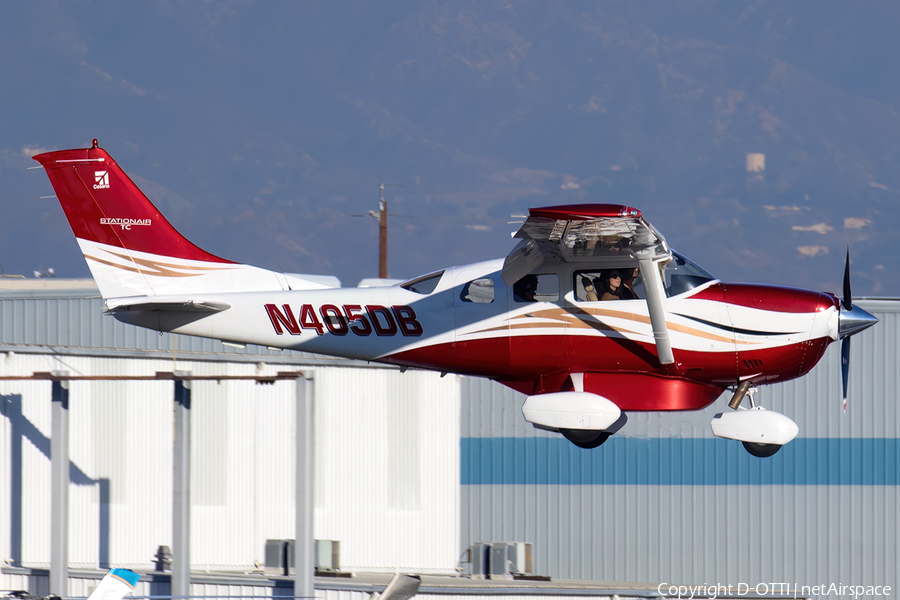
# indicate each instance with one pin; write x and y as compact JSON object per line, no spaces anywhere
{"x":524,"y":289}
{"x":627,"y":289}
{"x":612,"y":282}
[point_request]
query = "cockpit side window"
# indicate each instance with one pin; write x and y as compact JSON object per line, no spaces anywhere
{"x":619,"y":283}
{"x":423,"y":285}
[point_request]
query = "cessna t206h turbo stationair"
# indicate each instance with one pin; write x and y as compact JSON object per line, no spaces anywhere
{"x":590,"y":315}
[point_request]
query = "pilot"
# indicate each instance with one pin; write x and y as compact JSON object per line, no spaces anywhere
{"x":627,"y":290}
{"x":611,"y":285}
{"x":525,"y":289}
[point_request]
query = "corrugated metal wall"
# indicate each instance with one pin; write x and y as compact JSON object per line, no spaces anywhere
{"x":665,"y":501}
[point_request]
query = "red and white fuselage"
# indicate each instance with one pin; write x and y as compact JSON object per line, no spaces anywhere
{"x":721,"y":334}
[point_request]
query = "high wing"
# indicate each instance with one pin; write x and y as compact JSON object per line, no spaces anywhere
{"x":578,"y":232}
{"x":583,"y":232}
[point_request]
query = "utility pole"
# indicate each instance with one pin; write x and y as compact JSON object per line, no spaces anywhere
{"x":382,"y":233}
{"x":382,"y":216}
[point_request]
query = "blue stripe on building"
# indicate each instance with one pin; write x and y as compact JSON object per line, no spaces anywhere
{"x":678,"y":461}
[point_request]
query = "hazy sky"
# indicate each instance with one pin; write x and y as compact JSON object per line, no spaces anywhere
{"x":261,"y":128}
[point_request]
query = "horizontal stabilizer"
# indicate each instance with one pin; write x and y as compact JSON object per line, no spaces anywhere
{"x":170,"y":305}
{"x":303,"y":281}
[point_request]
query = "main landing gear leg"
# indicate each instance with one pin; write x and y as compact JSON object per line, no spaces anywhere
{"x":742,"y":390}
{"x":762,"y":432}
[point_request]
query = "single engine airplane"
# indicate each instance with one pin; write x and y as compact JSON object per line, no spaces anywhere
{"x":539,"y":321}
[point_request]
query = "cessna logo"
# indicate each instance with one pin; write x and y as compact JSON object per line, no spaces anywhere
{"x":101,"y":180}
{"x":376,"y":319}
{"x":124,"y":223}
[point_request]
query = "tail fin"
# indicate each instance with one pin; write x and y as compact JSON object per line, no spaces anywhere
{"x":115,"y":585}
{"x":131,"y":249}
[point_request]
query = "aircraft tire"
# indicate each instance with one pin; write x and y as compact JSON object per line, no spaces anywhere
{"x":761,"y":450}
{"x":585,"y":438}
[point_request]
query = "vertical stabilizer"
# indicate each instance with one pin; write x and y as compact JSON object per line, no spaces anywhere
{"x":115,"y":585}
{"x":130,"y":247}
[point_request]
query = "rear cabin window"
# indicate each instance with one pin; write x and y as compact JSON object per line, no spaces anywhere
{"x":541,"y":287}
{"x":479,"y":291}
{"x":423,"y":285}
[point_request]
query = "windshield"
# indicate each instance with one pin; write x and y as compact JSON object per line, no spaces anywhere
{"x":683,"y":274}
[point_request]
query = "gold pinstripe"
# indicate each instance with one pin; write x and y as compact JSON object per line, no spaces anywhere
{"x":575,"y":318}
{"x":154,"y":267}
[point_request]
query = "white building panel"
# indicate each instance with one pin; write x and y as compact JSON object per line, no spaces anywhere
{"x":239,"y":430}
{"x":387,"y":463}
{"x":25,"y":455}
{"x":387,"y":452}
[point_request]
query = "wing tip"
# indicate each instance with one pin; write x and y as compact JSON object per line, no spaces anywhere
{"x":585,"y":211}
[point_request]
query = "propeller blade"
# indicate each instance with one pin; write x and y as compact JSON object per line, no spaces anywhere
{"x":851,"y":320}
{"x":845,"y":367}
{"x":847,"y":301}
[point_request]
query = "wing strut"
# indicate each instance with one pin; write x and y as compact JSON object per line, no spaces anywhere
{"x":655,"y":303}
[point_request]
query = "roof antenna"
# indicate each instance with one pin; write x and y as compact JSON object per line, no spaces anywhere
{"x":288,"y":283}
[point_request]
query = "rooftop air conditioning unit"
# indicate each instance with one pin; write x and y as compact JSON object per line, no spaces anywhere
{"x":279,"y":557}
{"x":328,"y":556}
{"x":519,"y":556}
{"x":500,"y":560}
{"x":480,"y":559}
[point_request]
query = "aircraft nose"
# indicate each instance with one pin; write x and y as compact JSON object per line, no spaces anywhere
{"x":854,"y":320}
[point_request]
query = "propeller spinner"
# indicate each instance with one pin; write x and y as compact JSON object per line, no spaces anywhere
{"x":852,"y":319}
